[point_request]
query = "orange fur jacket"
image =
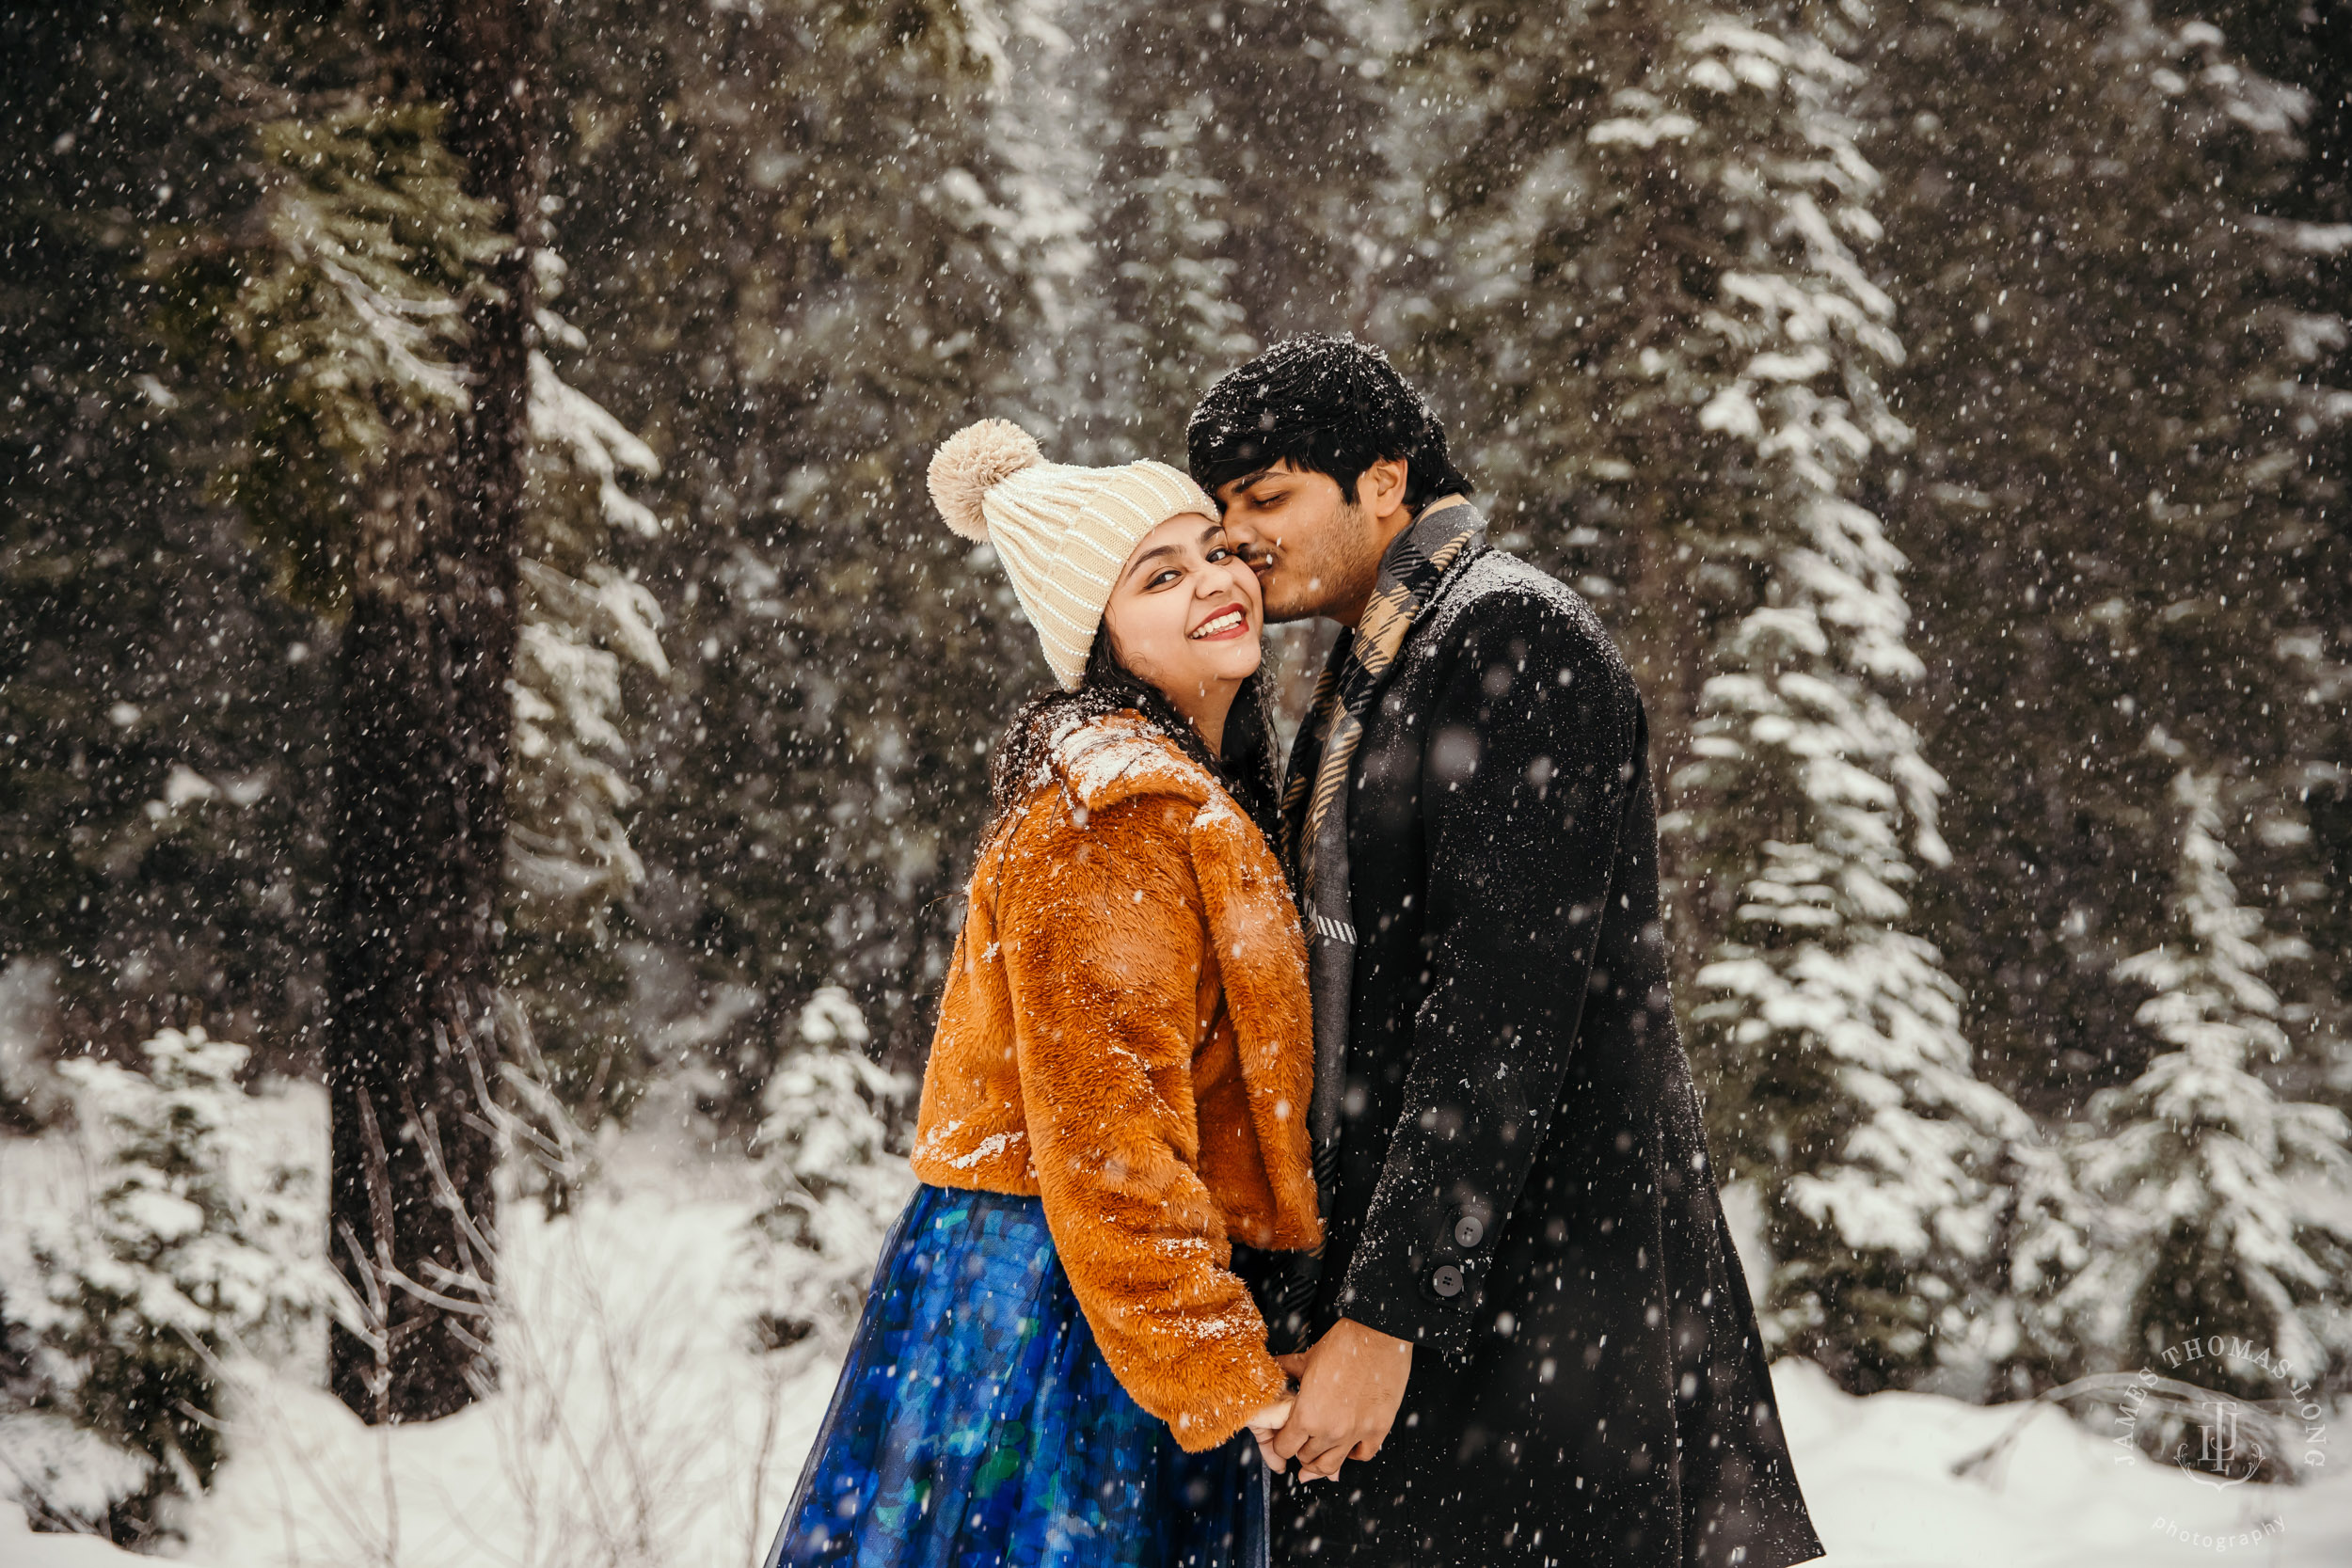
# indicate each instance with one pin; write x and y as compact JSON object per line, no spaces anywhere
{"x":1125,"y":1033}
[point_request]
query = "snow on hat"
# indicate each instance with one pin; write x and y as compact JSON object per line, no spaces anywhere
{"x":1062,"y":531}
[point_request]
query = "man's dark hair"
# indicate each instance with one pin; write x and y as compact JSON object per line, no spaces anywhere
{"x":1329,"y":405}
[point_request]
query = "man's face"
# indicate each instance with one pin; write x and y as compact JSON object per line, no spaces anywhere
{"x":1316,"y":550}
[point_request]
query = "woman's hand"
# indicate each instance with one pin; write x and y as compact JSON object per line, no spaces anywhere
{"x":1348,"y":1393}
{"x":1264,"y":1424}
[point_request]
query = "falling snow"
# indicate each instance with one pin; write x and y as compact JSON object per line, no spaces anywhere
{"x":1944,"y":409}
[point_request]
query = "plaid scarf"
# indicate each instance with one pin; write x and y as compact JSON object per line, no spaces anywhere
{"x":1314,"y":824}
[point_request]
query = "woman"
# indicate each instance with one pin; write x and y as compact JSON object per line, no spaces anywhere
{"x":1057,"y":1364}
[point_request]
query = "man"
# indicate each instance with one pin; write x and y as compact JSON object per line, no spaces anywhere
{"x":1528,"y":1327}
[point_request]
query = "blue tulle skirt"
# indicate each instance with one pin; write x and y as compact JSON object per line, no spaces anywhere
{"x":976,"y":1425}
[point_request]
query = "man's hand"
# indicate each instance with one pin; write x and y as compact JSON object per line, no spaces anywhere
{"x":1350,"y":1384}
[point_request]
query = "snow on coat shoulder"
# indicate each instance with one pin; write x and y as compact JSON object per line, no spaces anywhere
{"x":1122,"y":756}
{"x":1498,"y":603}
{"x":1495,"y":574}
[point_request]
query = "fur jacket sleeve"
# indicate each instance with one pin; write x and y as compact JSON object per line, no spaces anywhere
{"x":1125,"y":1033}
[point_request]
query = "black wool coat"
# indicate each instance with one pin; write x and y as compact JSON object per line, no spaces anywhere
{"x":1524,"y":1188}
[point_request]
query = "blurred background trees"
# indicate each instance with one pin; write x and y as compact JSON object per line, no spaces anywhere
{"x":1945,"y":405}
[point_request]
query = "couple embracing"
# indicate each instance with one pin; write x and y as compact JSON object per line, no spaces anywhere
{"x":1312,"y":1171}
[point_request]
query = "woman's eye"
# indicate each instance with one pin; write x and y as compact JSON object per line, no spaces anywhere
{"x":1222,"y":552}
{"x":1159,"y":578}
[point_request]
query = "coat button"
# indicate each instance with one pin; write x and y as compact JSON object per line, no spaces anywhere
{"x":1467,"y":1230}
{"x":1447,"y":1280}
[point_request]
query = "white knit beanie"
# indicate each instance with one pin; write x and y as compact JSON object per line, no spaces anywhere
{"x":1062,"y":531}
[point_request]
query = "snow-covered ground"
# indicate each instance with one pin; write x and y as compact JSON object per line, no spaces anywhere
{"x":636,"y":1425}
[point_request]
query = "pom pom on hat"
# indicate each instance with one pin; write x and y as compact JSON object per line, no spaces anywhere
{"x":971,"y":459}
{"x":1059,"y":530}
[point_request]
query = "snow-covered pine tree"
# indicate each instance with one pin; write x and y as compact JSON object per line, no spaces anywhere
{"x":1842,"y":1086}
{"x":388,"y":243}
{"x":1232,"y":184}
{"x":795,"y":322}
{"x":834,"y":1183}
{"x":1662,"y":326}
{"x":2225,"y":1200}
{"x":189,"y":1257}
{"x":331,"y":317}
{"x":2129,"y":446}
{"x":1044,"y":160}
{"x":431,"y":630}
{"x":1178,"y":327}
{"x":569,"y":862}
{"x":333,"y":321}
{"x":2309,"y":49}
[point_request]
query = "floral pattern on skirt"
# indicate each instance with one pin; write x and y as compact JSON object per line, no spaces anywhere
{"x":976,"y":1425}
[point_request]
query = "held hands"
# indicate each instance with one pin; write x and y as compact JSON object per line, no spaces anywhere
{"x":1350,"y":1383}
{"x":1266,"y":1424}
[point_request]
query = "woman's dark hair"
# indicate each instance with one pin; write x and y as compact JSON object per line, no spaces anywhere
{"x":1245,"y":768}
{"x":1327,"y":405}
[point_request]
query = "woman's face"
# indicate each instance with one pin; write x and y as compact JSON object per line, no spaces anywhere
{"x":1185,"y":615}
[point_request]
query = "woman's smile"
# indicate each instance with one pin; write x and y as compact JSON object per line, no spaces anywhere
{"x":1232,"y":621}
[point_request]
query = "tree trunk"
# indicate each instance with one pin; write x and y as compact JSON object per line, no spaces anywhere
{"x":419,"y":815}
